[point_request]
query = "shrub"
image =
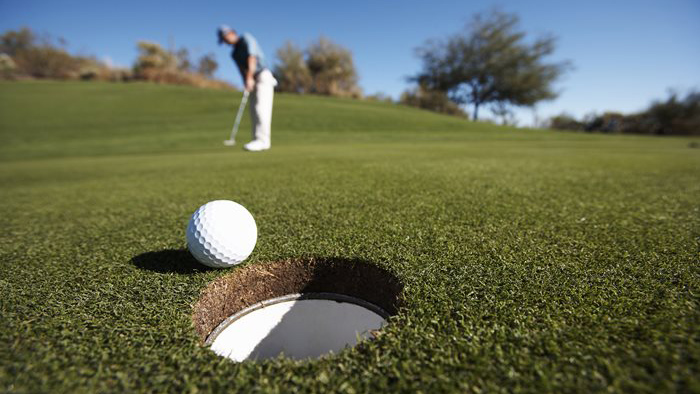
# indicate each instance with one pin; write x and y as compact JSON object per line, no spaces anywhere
{"x":12,"y":42}
{"x":8,"y":68}
{"x":29,"y":57}
{"x":565,"y":121}
{"x":323,"y":68}
{"x":157,"y":64}
{"x":22,"y":55}
{"x":608,"y":122}
{"x":332,"y":69}
{"x":291,"y":70}
{"x":675,"y":116}
{"x":432,"y":100}
{"x":153,"y":57}
{"x":380,"y":97}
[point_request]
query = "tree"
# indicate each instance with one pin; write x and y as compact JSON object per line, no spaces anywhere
{"x":207,"y":65}
{"x":490,"y":62}
{"x":291,"y":69}
{"x":332,"y":69}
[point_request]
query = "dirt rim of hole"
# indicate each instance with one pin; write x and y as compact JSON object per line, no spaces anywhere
{"x":258,"y":282}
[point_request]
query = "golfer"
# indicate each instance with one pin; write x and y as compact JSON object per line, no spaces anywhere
{"x":258,"y":81}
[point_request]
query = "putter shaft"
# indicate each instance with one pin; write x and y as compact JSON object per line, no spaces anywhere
{"x":239,"y":115}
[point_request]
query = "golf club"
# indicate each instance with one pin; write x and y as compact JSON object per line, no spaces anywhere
{"x":232,"y":140}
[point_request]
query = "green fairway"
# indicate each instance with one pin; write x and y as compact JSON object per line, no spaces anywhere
{"x":531,"y":260}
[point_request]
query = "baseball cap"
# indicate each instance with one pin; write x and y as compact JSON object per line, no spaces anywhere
{"x":223,"y":29}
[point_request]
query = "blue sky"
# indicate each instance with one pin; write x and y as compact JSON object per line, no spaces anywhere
{"x":625,"y":53}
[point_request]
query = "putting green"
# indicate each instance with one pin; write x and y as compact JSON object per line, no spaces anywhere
{"x":532,"y":261}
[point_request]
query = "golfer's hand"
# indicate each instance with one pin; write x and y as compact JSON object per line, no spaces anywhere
{"x":249,"y":84}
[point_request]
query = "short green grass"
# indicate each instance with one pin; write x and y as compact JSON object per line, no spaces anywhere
{"x":532,"y":261}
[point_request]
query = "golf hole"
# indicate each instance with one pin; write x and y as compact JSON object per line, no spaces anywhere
{"x":298,"y":309}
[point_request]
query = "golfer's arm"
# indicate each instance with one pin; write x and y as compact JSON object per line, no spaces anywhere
{"x":252,"y":66}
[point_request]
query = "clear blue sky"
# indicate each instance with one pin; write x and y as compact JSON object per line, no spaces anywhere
{"x":625,"y":53}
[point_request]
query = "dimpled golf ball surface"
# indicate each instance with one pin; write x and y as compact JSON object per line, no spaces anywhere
{"x":221,"y":234}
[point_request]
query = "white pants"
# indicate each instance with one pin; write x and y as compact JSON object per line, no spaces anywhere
{"x":261,"y":106}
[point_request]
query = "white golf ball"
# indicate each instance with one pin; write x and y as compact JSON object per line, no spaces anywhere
{"x":221,"y":234}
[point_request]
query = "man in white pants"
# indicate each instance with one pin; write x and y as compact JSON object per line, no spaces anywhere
{"x":258,"y":80}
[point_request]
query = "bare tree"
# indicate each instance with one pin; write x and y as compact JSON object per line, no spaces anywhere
{"x":183,"y":59}
{"x":207,"y":65}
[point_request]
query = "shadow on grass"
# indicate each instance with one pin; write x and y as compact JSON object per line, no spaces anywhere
{"x":178,"y":261}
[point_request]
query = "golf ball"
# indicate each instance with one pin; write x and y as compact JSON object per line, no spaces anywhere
{"x":221,"y":234}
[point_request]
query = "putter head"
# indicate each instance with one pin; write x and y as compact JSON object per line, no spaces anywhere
{"x":229,"y":142}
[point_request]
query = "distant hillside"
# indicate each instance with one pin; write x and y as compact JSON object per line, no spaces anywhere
{"x":49,"y":119}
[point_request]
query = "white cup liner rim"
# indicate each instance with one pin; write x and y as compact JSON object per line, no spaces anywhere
{"x":329,"y":296}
